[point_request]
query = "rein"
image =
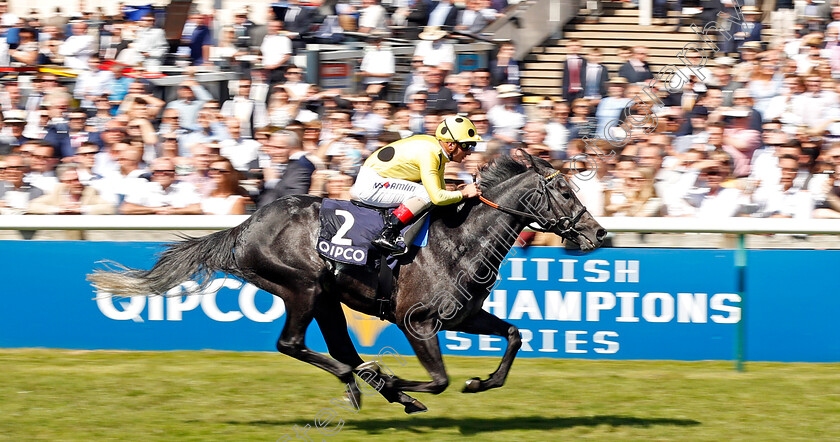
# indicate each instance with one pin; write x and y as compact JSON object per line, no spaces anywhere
{"x":567,"y":223}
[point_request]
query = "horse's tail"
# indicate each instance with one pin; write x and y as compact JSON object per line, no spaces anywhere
{"x":194,"y":259}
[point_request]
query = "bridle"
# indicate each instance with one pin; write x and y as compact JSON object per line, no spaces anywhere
{"x":563,"y":225}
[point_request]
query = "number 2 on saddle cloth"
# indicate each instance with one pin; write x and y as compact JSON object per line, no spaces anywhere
{"x":347,"y":230}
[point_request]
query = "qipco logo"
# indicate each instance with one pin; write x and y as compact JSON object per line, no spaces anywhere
{"x":172,"y":306}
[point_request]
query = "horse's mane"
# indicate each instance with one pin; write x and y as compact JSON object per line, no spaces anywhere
{"x":500,"y":170}
{"x":505,"y":167}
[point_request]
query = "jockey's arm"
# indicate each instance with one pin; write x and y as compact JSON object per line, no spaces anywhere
{"x":432,"y":180}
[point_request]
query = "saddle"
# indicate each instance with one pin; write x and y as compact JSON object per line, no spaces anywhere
{"x":347,"y":231}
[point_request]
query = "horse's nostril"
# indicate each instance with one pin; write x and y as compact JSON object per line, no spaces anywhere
{"x":600,"y":234}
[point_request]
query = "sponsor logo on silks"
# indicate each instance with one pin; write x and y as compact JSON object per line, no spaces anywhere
{"x":392,"y":186}
{"x":347,"y":254}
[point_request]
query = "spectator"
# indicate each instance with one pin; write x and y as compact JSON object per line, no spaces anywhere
{"x":750,"y":28}
{"x":163,"y":195}
{"x":378,"y":67}
{"x":282,"y":110}
{"x":740,"y":141}
{"x":438,"y":95}
{"x":209,"y":131}
{"x":444,"y":13}
{"x":15,"y":193}
{"x":67,"y":137}
{"x":433,"y":50}
{"x":504,"y":69}
{"x":41,"y":167}
{"x":85,"y":160}
{"x":78,"y":48}
{"x":574,"y":69}
{"x":785,"y":200}
{"x":92,"y":84}
{"x":595,"y":77}
{"x":150,"y":42}
{"x":583,"y":124}
{"x":139,"y":103}
{"x":117,"y":87}
{"x":298,"y":21}
{"x":242,"y":152}
{"x":507,"y":117}
{"x":26,"y":52}
{"x":559,"y":130}
{"x":276,"y":50}
{"x":708,"y":199}
{"x":297,"y":177}
{"x":201,"y":40}
{"x":191,"y":98}
{"x":611,"y":109}
{"x":107,"y":160}
{"x":294,"y":84}
{"x":199,"y":176}
{"x":70,"y":197}
{"x":636,"y":69}
{"x":112,"y":44}
{"x":483,"y":90}
{"x":226,"y":198}
{"x":472,"y":19}
{"x":16,"y":121}
{"x":130,"y":175}
{"x":248,"y":112}
{"x":418,"y":107}
{"x":373,"y":18}
{"x":276,"y":162}
{"x":636,"y":196}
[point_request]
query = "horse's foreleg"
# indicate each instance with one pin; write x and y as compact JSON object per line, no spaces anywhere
{"x":333,"y":327}
{"x":483,"y":323}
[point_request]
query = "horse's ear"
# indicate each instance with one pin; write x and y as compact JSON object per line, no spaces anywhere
{"x":527,"y":157}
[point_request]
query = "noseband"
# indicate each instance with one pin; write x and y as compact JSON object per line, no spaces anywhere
{"x":565,"y":224}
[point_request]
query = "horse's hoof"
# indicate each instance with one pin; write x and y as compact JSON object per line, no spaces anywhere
{"x":473,"y":385}
{"x":415,"y":407}
{"x":368,"y":366}
{"x":353,"y":396}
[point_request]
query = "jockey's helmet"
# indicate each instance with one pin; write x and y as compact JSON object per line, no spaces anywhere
{"x":458,"y":129}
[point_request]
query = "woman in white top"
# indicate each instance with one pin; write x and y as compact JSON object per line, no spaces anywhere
{"x":224,"y":200}
{"x":281,"y":109}
{"x":225,"y":53}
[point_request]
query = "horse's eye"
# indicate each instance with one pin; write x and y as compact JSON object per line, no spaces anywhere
{"x":566,"y":194}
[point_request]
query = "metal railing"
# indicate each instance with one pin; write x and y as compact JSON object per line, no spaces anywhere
{"x":736,"y":226}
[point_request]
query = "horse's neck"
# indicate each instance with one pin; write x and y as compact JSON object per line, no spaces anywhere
{"x":489,"y":233}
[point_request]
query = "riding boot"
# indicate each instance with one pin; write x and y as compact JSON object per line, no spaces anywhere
{"x":387,"y":238}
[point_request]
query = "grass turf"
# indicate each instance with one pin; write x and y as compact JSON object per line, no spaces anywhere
{"x":81,"y":395}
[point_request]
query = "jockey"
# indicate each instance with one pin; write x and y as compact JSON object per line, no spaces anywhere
{"x":409,"y":173}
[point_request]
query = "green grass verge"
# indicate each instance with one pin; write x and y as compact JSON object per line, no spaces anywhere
{"x":76,"y":395}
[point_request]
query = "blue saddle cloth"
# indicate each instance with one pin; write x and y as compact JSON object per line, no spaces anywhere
{"x":347,"y":230}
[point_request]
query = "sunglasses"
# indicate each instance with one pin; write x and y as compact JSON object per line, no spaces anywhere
{"x":467,"y":146}
{"x":221,"y":171}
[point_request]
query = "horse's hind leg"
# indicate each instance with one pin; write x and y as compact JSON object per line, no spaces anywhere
{"x":428,"y":352}
{"x":333,"y":327}
{"x":484,"y":323}
{"x":299,"y":314}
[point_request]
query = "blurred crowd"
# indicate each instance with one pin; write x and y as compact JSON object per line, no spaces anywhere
{"x":755,"y":132}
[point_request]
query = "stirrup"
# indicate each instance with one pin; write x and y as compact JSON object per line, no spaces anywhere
{"x":391,"y":247}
